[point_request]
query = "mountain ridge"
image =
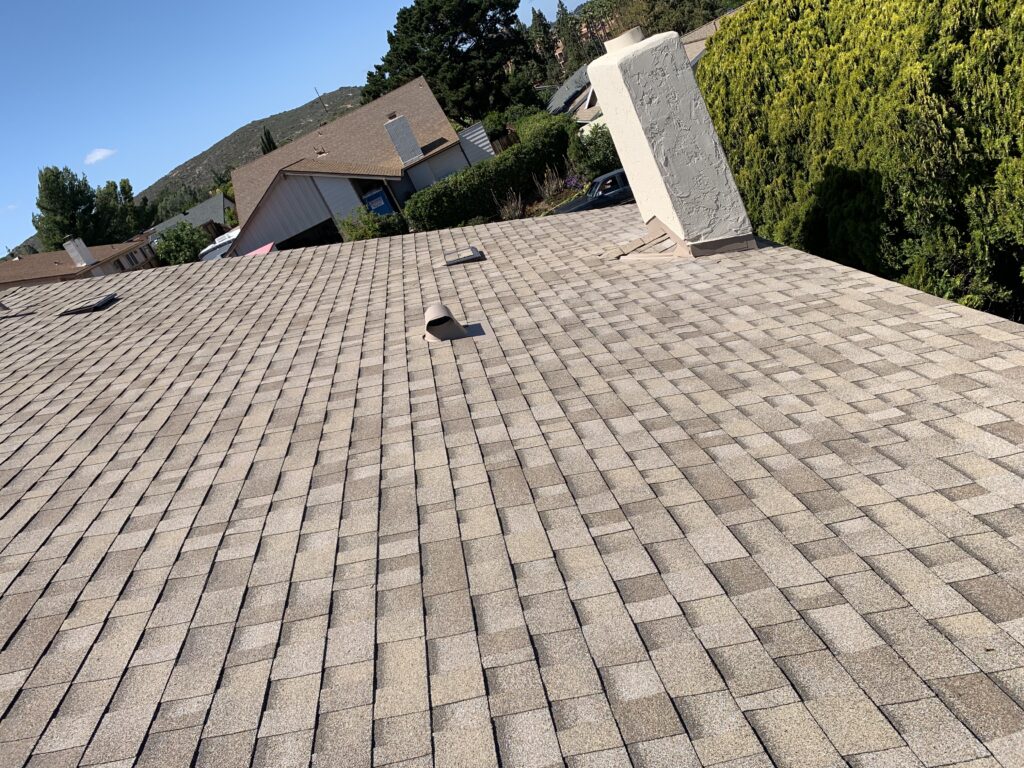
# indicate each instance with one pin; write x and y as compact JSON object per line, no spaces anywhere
{"x":243,"y":145}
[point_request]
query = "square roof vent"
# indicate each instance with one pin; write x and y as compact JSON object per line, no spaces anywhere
{"x":96,"y":306}
{"x":466,"y":256}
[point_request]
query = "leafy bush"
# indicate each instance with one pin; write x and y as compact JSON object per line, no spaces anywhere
{"x":364,"y":224}
{"x":181,"y":244}
{"x":534,"y":124}
{"x":475,"y":192}
{"x":497,"y":123}
{"x":885,"y":135}
{"x":594,"y":154}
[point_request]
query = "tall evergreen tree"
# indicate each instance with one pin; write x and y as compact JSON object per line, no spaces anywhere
{"x":267,"y":143}
{"x":543,"y":44}
{"x":471,"y":52}
{"x":65,"y":202}
{"x":567,"y":32}
{"x":69,"y":207}
{"x":114,"y":215}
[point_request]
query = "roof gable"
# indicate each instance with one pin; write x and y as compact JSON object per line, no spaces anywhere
{"x":354,"y":144}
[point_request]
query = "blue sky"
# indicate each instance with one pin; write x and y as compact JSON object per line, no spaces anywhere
{"x":120,"y":89}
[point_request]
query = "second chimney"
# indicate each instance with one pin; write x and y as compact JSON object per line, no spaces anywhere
{"x":403,"y":138}
{"x":79,"y":252}
{"x":668,"y":145}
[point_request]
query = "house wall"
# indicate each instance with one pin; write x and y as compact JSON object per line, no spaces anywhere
{"x":292,"y":205}
{"x":436,"y":168}
{"x":339,"y":194}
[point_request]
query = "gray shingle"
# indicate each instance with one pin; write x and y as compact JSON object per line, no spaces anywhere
{"x":657,"y":507}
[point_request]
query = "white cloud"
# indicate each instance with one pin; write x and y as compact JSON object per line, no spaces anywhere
{"x":12,"y":207}
{"x":99,"y":154}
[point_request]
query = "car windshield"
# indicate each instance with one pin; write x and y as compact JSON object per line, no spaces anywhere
{"x":602,"y":185}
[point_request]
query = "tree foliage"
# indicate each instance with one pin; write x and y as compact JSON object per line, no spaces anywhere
{"x":364,"y":224}
{"x":542,"y":43}
{"x":579,"y":44}
{"x":175,"y":200}
{"x":69,"y":207}
{"x":267,"y":143}
{"x":472,"y":52}
{"x":886,"y":135}
{"x":595,"y":154}
{"x":65,"y":202}
{"x":476,"y":193}
{"x":181,"y":244}
{"x":582,"y":31}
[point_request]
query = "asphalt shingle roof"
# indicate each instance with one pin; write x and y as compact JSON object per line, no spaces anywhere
{"x":57,"y":265}
{"x":747,"y":510}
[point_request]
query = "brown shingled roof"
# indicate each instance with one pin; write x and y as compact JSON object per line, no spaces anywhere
{"x":57,"y":265}
{"x":746,"y":510}
{"x":355,"y":144}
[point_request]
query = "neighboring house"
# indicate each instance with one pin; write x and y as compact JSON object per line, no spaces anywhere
{"x":375,"y":157}
{"x":569,"y":91}
{"x":210,"y":215}
{"x":576,"y":97}
{"x":696,"y":42}
{"x":77,"y":260}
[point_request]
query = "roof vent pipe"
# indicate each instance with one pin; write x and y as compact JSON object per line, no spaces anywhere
{"x":440,"y":325}
{"x":404,"y":139}
{"x":668,"y":144}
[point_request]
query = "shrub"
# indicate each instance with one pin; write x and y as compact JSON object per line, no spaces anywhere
{"x":885,"y":135}
{"x":497,"y":123}
{"x":363,"y":224}
{"x":530,"y":126}
{"x":510,"y":206}
{"x":181,"y":244}
{"x":594,"y":154}
{"x":550,"y":184}
{"x":476,"y":191}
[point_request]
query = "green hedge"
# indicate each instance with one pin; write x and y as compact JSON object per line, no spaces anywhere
{"x":886,"y":134}
{"x":474,"y":192}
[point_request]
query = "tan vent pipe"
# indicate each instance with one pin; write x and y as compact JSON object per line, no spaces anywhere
{"x":440,"y":325}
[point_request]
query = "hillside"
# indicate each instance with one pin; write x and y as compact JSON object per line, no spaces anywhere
{"x":243,"y":145}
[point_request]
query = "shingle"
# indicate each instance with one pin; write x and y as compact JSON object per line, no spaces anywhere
{"x":792,"y":738}
{"x":933,"y":733}
{"x":527,"y":740}
{"x":687,"y":487}
{"x":463,"y":736}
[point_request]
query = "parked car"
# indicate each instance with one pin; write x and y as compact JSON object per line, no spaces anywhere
{"x":610,"y":189}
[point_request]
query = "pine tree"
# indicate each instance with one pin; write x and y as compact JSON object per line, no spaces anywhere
{"x":567,"y":31}
{"x":543,"y":44}
{"x":65,"y":203}
{"x":267,"y":143}
{"x":472,"y":53}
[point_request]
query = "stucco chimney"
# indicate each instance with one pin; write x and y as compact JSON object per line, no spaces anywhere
{"x":668,"y":145}
{"x":79,"y":252}
{"x":404,"y":139}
